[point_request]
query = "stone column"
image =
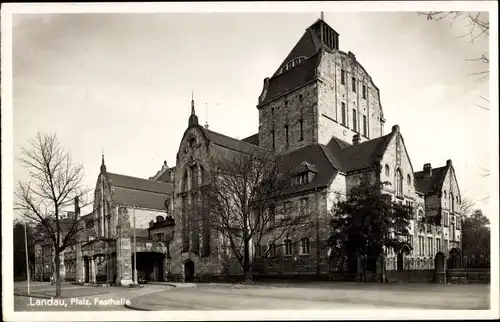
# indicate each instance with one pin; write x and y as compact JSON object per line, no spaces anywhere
{"x":82,"y":268}
{"x":93,"y":277}
{"x":109,"y":274}
{"x":123,"y":249}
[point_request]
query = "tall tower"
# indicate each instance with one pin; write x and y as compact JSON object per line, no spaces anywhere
{"x":318,"y":92}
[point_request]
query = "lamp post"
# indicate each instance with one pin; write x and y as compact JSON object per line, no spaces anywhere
{"x":27,"y":263}
{"x":135,"y":251}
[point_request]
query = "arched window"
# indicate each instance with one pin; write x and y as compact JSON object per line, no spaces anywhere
{"x":184,"y":182}
{"x":399,"y":183}
{"x":452,"y":202}
{"x":408,"y":179}
{"x":387,"y":170}
{"x":420,"y":215}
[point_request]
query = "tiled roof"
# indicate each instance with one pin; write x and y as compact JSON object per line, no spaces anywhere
{"x":235,"y":144}
{"x":140,"y":198}
{"x":308,"y":45}
{"x":293,"y":78}
{"x":347,"y":158}
{"x":312,"y":154}
{"x":252,"y":139}
{"x":119,"y":180}
{"x":432,"y":184}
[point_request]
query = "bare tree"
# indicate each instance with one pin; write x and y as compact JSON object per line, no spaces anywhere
{"x":246,"y":198}
{"x":476,"y":25}
{"x":466,"y":206}
{"x":55,"y":183}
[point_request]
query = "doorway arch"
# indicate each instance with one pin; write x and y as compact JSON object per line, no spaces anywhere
{"x":188,"y":271}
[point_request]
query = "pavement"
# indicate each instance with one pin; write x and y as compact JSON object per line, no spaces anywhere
{"x":78,"y":298}
{"x":256,"y":296}
{"x":316,"y":296}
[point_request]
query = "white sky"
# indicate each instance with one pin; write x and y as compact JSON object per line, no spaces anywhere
{"x":122,"y":83}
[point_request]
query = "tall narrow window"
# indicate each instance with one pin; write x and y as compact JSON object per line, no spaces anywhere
{"x":272,"y":250}
{"x":364,"y":92}
{"x":399,"y":184}
{"x":301,"y":129}
{"x":194,"y":177}
{"x":286,"y":210}
{"x":344,"y":116}
{"x":272,"y":216}
{"x":354,"y":121}
{"x":342,"y":77}
{"x":438,"y":244}
{"x":286,"y":134}
{"x":364,"y":125}
{"x":303,"y":206}
{"x":288,"y":247}
{"x":305,"y":246}
{"x":257,"y":250}
{"x":354,"y":85}
{"x":273,"y":138}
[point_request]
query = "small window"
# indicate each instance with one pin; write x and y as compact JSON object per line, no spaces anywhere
{"x":344,"y":116}
{"x":300,"y":97}
{"x":286,"y":103}
{"x":387,"y":170}
{"x":304,"y":205}
{"x":305,"y":246}
{"x":354,"y":85}
{"x":192,"y":142}
{"x":273,"y":138}
{"x":364,"y":92}
{"x":342,"y":77}
{"x":272,"y":250}
{"x":286,"y":210}
{"x":408,"y":179}
{"x":272,"y":216}
{"x":288,"y":247}
{"x":364,"y":126}
{"x":258,"y":250}
{"x":444,"y":193}
{"x":286,"y":134}
{"x":354,"y":121}
{"x":301,"y":129}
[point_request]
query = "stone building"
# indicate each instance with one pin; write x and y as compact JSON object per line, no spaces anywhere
{"x":320,"y":114}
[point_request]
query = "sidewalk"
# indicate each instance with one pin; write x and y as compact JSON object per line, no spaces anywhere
{"x":135,"y":302}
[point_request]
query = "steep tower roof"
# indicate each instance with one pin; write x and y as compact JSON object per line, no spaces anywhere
{"x":318,"y":35}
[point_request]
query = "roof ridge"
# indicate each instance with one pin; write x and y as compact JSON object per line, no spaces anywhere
{"x":147,"y":180}
{"x":238,"y":140}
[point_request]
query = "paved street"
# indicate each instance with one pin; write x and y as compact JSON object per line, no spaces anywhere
{"x":317,"y":296}
{"x":279,"y":296}
{"x":78,"y":298}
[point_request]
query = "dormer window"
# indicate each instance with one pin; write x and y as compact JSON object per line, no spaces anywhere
{"x":304,"y":173}
{"x":294,"y":62}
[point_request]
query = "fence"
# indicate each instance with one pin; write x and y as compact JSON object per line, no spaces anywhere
{"x":479,"y":261}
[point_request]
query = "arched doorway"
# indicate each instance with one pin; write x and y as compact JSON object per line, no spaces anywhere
{"x":188,"y":271}
{"x":454,"y":258}
{"x":439,"y":268}
{"x":149,"y":266}
{"x":405,"y":250}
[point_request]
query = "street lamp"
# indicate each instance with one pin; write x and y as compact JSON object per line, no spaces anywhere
{"x":135,"y":250}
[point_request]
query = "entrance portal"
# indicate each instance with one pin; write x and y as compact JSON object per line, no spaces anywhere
{"x":149,"y":266}
{"x":188,"y":271}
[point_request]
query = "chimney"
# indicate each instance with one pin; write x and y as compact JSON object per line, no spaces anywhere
{"x":355,"y":139}
{"x":449,"y":163}
{"x":428,"y":170}
{"x":151,"y":223}
{"x":77,"y":207}
{"x":159,"y":218}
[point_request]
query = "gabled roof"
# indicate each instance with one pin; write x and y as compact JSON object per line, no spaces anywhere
{"x":122,"y":181}
{"x":234,"y":144}
{"x":347,"y":158}
{"x":139,"y":192}
{"x":252,"y":139}
{"x":430,"y":184}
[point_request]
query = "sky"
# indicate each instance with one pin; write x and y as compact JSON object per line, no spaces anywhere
{"x":121,"y":83}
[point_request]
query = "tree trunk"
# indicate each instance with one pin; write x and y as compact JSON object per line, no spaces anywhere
{"x":247,"y":275}
{"x":58,"y":272}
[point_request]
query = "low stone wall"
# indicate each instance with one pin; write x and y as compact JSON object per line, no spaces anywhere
{"x":468,"y":276}
{"x":410,"y":276}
